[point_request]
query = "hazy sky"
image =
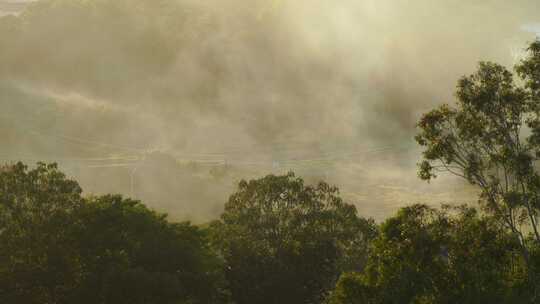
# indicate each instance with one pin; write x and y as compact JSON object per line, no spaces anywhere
{"x":331,"y":89}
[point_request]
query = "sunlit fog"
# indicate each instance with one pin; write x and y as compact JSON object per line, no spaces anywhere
{"x":174,"y":101}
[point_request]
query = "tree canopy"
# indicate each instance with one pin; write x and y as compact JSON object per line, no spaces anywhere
{"x":60,"y":247}
{"x":286,"y":242}
{"x":424,"y":255}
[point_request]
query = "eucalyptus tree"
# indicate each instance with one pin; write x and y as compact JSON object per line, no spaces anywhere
{"x":491,"y":138}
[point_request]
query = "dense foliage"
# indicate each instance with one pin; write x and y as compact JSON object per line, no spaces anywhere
{"x":423,"y":255}
{"x":284,"y":242}
{"x":59,"y":247}
{"x":278,"y":241}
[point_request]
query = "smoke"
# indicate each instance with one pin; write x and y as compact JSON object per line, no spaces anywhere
{"x":331,"y":89}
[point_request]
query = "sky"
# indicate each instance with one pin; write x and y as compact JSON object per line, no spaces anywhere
{"x":120,"y":92}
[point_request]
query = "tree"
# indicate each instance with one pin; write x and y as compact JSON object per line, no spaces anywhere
{"x":132,"y":254}
{"x":491,"y":138}
{"x":408,"y":257}
{"x":285,"y":242}
{"x":59,"y":247}
{"x":423,"y":255}
{"x":352,"y":288}
{"x":38,"y":262}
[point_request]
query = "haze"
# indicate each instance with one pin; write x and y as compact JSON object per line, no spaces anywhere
{"x":173,"y":102}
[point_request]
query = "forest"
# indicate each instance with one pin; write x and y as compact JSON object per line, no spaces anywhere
{"x":279,"y":238}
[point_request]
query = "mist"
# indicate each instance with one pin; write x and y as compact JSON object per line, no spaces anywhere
{"x":173,"y":101}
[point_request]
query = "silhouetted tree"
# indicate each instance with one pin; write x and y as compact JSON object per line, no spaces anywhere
{"x":423,"y":255}
{"x":134,"y":255}
{"x":58,"y":247}
{"x":491,"y":138}
{"x":285,"y":242}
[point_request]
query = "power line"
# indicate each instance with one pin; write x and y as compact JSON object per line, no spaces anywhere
{"x":214,"y":157}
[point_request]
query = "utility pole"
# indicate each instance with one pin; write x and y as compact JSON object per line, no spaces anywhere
{"x":132,"y":181}
{"x":132,"y":177}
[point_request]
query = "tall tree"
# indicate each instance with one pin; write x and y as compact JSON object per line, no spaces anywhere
{"x":491,"y":139}
{"x":285,"y":242}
